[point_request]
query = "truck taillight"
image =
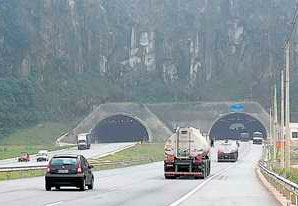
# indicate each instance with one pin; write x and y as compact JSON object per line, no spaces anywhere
{"x":199,"y":159}
{"x":170,"y":158}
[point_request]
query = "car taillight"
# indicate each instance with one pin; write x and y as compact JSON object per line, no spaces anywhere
{"x":79,"y":168}
{"x":49,"y":168}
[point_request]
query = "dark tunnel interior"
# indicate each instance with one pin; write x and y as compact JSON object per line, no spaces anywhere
{"x":235,"y":125}
{"x":119,"y":128}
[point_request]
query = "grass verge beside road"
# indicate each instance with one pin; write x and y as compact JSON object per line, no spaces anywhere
{"x":13,"y":151}
{"x":31,"y":140}
{"x":21,"y":174}
{"x":139,"y":154}
{"x":42,"y":134}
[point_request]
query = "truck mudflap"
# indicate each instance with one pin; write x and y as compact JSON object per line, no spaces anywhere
{"x":175,"y":174}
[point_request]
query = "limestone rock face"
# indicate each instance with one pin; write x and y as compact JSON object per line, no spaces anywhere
{"x":205,"y":47}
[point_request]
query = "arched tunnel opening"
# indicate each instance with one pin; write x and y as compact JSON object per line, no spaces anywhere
{"x":119,"y":128}
{"x":236,"y":126}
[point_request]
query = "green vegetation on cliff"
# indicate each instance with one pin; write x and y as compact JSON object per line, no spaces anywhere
{"x":59,"y":59}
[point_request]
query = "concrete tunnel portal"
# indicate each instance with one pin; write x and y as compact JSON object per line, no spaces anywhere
{"x":119,"y":128}
{"x":232,"y":125}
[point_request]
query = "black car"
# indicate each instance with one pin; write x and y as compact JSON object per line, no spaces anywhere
{"x":69,"y":170}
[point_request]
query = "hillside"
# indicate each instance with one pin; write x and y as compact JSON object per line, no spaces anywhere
{"x":58,"y":59}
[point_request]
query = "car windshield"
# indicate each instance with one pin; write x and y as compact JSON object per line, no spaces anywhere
{"x":64,"y":161}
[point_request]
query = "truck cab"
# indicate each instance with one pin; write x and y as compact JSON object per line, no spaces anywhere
{"x":84,"y":141}
{"x":257,"y":138}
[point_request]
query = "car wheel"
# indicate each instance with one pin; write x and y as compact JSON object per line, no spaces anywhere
{"x":48,"y":187}
{"x":90,"y":187}
{"x":83,"y":185}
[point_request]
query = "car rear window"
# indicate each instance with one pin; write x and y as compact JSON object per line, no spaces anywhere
{"x":64,"y":161}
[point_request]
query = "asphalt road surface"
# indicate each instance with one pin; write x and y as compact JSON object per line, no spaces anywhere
{"x":229,"y":184}
{"x":94,"y":151}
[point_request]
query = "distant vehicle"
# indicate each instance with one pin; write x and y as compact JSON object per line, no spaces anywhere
{"x":24,"y":157}
{"x":238,"y":143}
{"x":69,"y":170}
{"x":244,"y":136}
{"x":84,"y":141}
{"x":42,"y":155}
{"x":227,"y":151}
{"x":187,"y":153}
{"x":257,"y":138}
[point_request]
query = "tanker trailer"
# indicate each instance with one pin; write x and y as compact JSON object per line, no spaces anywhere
{"x":187,"y":153}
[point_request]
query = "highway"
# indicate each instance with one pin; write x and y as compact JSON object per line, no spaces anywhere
{"x":96,"y":150}
{"x":229,"y":184}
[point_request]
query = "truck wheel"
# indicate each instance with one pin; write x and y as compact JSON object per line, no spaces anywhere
{"x":209,"y":168}
{"x":203,"y":175}
{"x":170,"y":177}
{"x":205,"y":172}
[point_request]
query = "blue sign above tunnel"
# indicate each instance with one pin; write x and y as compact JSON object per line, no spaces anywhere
{"x":237,"y":108}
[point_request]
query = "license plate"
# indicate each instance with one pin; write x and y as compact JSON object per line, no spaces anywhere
{"x":62,"y":171}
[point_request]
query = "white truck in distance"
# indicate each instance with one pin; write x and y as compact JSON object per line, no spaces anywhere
{"x":84,"y":141}
{"x":257,"y":138}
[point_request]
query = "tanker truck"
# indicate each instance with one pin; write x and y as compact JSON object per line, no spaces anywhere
{"x":187,"y":153}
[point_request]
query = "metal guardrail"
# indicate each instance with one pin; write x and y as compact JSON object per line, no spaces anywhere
{"x":287,"y":188}
{"x":22,"y":168}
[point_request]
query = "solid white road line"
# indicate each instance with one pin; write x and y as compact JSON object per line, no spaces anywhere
{"x":186,"y":196}
{"x":55,"y":203}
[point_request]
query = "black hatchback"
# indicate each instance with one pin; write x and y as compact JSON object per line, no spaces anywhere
{"x":69,"y":170}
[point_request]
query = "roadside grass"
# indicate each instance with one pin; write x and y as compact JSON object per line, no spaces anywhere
{"x":31,"y":140}
{"x":13,"y":151}
{"x":21,"y":174}
{"x":290,"y":174}
{"x":139,"y":154}
{"x":41,"y":134}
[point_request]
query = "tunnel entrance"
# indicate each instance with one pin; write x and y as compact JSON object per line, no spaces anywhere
{"x":236,"y":126}
{"x":119,"y":128}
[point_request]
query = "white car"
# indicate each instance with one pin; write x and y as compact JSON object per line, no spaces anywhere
{"x":42,"y":155}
